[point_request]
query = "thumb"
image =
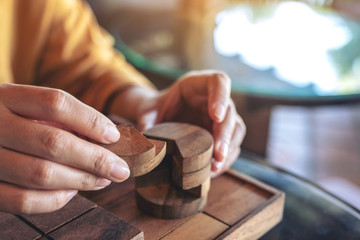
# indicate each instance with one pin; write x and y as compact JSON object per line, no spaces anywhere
{"x":147,"y":120}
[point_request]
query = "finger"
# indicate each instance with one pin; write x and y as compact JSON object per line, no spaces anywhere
{"x":16,"y":200}
{"x":36,"y":173}
{"x":147,"y":120}
{"x":222,"y":133}
{"x":60,"y":146}
{"x":214,"y":86}
{"x":60,"y":107}
{"x":219,"y":88}
{"x":220,"y":167}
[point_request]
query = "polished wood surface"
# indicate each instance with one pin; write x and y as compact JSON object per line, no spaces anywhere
{"x":238,"y":207}
{"x":141,"y":154}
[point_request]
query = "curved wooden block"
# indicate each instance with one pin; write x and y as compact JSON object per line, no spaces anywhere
{"x":190,"y":180}
{"x":201,"y":190}
{"x":167,"y":201}
{"x":192,"y":149}
{"x":141,"y":154}
{"x":192,"y":145}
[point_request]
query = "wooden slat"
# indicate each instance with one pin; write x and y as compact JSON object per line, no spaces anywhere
{"x":126,"y":209}
{"x":230,"y":200}
{"x":111,"y":193}
{"x":50,"y":221}
{"x":13,"y":228}
{"x":256,"y":224}
{"x":200,"y":226}
{"x":98,"y":224}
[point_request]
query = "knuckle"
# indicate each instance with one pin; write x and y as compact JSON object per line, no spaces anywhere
{"x":94,"y":120}
{"x":221,"y":77}
{"x":100,"y":163}
{"x":42,"y":175}
{"x":88,"y":182}
{"x":53,"y":142}
{"x":55,"y":101}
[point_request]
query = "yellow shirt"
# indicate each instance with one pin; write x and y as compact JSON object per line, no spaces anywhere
{"x":58,"y":43}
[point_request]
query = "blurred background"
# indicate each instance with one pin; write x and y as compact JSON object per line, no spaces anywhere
{"x":295,"y":69}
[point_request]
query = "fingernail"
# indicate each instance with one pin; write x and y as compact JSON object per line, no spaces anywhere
{"x":101,"y":183}
{"x":119,"y":171}
{"x":223,"y":149}
{"x":70,"y":195}
{"x":111,"y":133}
{"x":218,"y":165}
{"x":219,"y":111}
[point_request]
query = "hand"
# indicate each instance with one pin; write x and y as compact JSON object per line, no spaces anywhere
{"x":201,"y":98}
{"x":43,"y":158}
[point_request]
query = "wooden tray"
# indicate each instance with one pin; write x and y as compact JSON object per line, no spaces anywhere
{"x":238,"y":207}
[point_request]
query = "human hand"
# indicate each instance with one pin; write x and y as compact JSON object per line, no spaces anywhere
{"x":44,"y":159}
{"x":201,"y":98}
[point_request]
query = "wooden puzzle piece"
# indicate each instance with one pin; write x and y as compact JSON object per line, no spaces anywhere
{"x":201,"y":190}
{"x":192,"y":145}
{"x":141,"y":154}
{"x":176,"y":186}
{"x":98,"y":224}
{"x":167,"y":201}
{"x":47,"y":222}
{"x":189,"y":180}
{"x":13,"y":228}
{"x":168,"y":191}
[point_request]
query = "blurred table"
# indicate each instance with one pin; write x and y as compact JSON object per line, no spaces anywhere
{"x":282,"y":52}
{"x":310,"y":212}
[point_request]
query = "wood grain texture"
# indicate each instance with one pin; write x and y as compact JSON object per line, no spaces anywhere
{"x":161,"y":174}
{"x":192,"y":145}
{"x":125,"y":207}
{"x":256,"y":224}
{"x":201,"y":190}
{"x":49,"y":221}
{"x":13,"y":228}
{"x":230,"y":200}
{"x":98,"y":224}
{"x":247,"y":221}
{"x":192,"y":179}
{"x":167,"y":201}
{"x":141,"y":154}
{"x":200,"y":226}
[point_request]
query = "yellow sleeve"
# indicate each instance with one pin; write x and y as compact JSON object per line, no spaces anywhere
{"x":79,"y":58}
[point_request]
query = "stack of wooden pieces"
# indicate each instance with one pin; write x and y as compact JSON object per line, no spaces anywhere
{"x":178,"y":187}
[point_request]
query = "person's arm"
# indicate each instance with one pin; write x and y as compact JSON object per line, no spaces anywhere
{"x":78,"y":57}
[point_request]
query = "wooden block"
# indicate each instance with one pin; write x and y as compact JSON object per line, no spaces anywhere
{"x":248,"y":221}
{"x":201,"y":190}
{"x":49,"y":221}
{"x":13,"y":228}
{"x":98,"y":224}
{"x":192,"y":145}
{"x":113,"y":192}
{"x":189,"y":180}
{"x":200,"y":226}
{"x":161,"y":174}
{"x":167,"y":201}
{"x":230,"y":199}
{"x":140,"y":154}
